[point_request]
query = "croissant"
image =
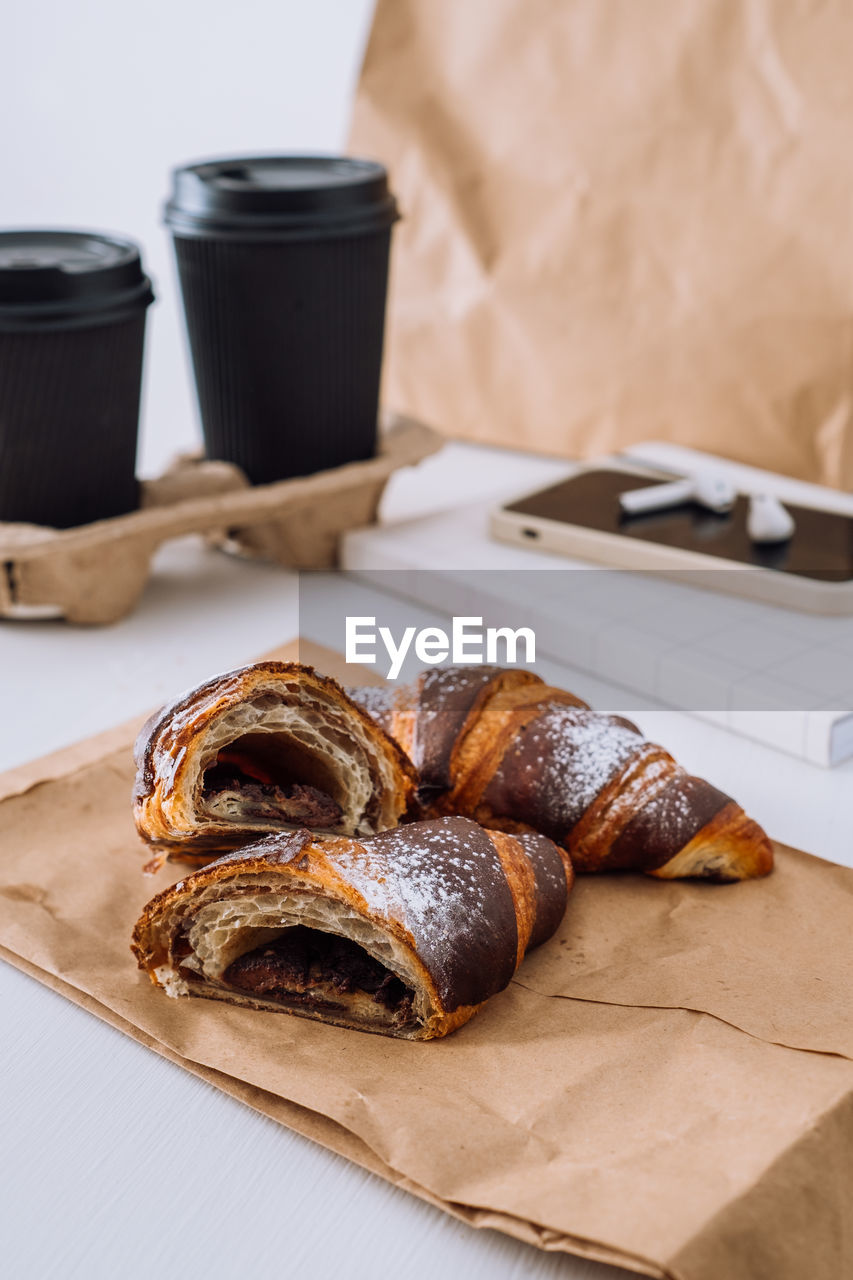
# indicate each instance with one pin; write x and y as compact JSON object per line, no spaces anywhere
{"x":504,"y":748}
{"x":406,"y":934}
{"x":263,"y":748}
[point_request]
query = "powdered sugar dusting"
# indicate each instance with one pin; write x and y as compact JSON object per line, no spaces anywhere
{"x":445,"y":698}
{"x":551,"y":887}
{"x":444,"y":882}
{"x":443,"y":686}
{"x":447,"y":690}
{"x":376,"y":700}
{"x":674,"y":816}
{"x":430,"y":874}
{"x":584,"y":749}
{"x":557,"y":766}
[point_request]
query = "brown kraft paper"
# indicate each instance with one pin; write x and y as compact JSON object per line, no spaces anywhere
{"x":667,"y":1084}
{"x":623,"y":221}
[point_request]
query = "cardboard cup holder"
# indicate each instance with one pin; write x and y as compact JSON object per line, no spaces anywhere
{"x":95,"y":573}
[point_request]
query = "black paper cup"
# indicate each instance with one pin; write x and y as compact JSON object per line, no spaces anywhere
{"x":72,"y":326}
{"x":283,"y":264}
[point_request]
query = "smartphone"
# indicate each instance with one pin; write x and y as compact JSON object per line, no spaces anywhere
{"x":581,"y":517}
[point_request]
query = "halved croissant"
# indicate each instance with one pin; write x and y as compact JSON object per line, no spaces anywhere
{"x":276,"y":746}
{"x":268,"y":747}
{"x":506,"y":749}
{"x":406,"y":934}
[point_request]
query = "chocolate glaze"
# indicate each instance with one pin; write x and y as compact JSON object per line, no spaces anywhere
{"x":666,"y":824}
{"x":551,"y":772}
{"x":446,"y":697}
{"x":457,"y":904}
{"x":442,"y":882}
{"x":552,"y":890}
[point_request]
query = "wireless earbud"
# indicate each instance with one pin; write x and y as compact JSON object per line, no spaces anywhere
{"x":707,"y":489}
{"x":768,"y":520}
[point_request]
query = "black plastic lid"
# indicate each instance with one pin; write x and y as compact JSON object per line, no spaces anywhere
{"x":280,"y":197}
{"x":67,"y":279}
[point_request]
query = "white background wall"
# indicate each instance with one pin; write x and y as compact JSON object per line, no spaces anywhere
{"x":98,"y":100}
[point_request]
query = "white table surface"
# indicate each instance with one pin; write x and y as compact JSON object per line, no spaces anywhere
{"x":119,"y":1163}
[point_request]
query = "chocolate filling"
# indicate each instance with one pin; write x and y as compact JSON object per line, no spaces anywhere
{"x":265,"y":797}
{"x":295,"y":965}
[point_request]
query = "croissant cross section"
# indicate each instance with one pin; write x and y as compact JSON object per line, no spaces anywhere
{"x":270,"y":747}
{"x":407,"y":934}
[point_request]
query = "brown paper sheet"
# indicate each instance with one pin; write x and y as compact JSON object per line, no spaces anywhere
{"x":633,"y":1096}
{"x":622,"y":221}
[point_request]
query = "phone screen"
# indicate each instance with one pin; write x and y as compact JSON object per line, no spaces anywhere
{"x":821,"y":548}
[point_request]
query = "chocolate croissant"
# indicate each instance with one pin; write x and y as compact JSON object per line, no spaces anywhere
{"x":506,"y":749}
{"x":406,"y":934}
{"x":269,"y":747}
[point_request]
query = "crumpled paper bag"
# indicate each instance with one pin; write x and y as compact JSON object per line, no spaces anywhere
{"x":622,"y":221}
{"x":666,"y":1084}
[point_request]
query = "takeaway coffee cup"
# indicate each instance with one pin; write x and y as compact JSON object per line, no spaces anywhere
{"x":283,"y":264}
{"x":72,"y":327}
